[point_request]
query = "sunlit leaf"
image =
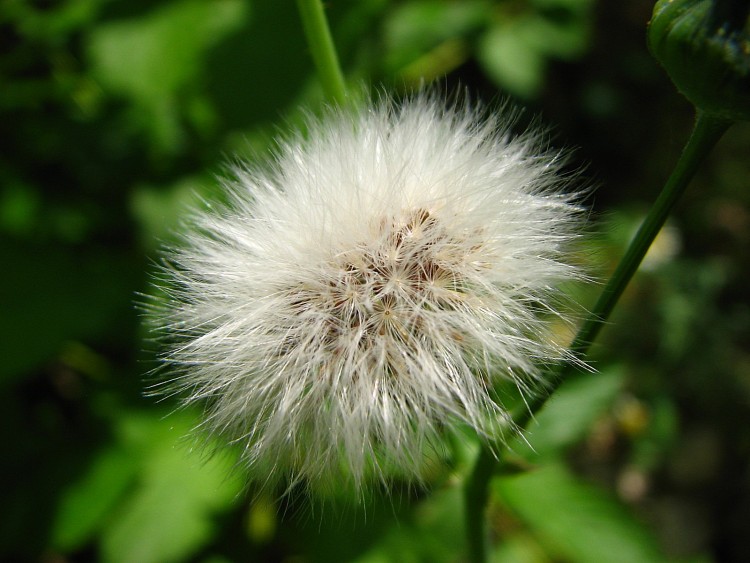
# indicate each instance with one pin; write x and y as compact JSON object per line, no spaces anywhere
{"x":569,"y":413}
{"x":156,"y":58}
{"x":414,"y":28}
{"x":576,"y":521}
{"x":519,"y":548}
{"x":509,"y":58}
{"x":159,"y":211}
{"x":85,"y":505}
{"x":171,"y":512}
{"x":151,"y":57}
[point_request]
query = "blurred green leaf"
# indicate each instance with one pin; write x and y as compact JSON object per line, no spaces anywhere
{"x":19,"y":206}
{"x":159,"y":211}
{"x":515,"y":49}
{"x":85,"y":505}
{"x":508,"y":57}
{"x":576,"y":521}
{"x":170,"y":513}
{"x":414,"y":28}
{"x":561,"y":40}
{"x":432,"y":533}
{"x":569,"y":414}
{"x":53,"y":21}
{"x":519,"y":548}
{"x":262,"y":519}
{"x":153,"y":59}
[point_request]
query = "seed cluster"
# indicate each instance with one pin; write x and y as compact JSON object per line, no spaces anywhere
{"x":377,"y":302}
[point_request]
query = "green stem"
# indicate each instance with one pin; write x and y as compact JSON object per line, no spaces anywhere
{"x":322,"y":49}
{"x":706,"y":132}
{"x":476,"y":492}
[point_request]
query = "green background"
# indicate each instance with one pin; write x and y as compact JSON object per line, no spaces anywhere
{"x":117,"y":116}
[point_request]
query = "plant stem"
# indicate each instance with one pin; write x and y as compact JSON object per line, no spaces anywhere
{"x":706,"y":133}
{"x":322,"y":49}
{"x":476,"y":492}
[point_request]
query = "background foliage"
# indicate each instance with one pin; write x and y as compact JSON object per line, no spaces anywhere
{"x":117,"y":115}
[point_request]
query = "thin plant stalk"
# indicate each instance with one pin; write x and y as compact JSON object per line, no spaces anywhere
{"x":476,"y":492}
{"x":706,"y":133}
{"x":322,"y":49}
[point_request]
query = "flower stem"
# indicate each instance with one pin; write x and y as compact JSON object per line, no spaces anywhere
{"x":476,"y":492}
{"x":322,"y":49}
{"x":706,"y":132}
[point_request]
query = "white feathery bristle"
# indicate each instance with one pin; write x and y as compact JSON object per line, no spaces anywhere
{"x":371,"y":288}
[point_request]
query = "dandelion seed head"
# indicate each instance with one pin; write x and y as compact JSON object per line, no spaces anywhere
{"x":369,"y":289}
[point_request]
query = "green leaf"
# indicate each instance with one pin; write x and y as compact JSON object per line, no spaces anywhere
{"x":515,"y":50}
{"x":159,"y":211}
{"x":152,"y":57}
{"x":170,"y":514}
{"x":576,"y":521}
{"x":53,"y":21}
{"x":414,"y":28}
{"x":432,"y":533}
{"x":85,"y":505}
{"x":569,"y":414}
{"x":518,"y":548}
{"x":159,"y":59}
{"x":509,"y":57}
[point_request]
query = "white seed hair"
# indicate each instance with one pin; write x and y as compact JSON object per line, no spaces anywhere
{"x":369,"y":288}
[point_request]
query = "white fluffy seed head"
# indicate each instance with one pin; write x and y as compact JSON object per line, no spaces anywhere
{"x":369,"y":289}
